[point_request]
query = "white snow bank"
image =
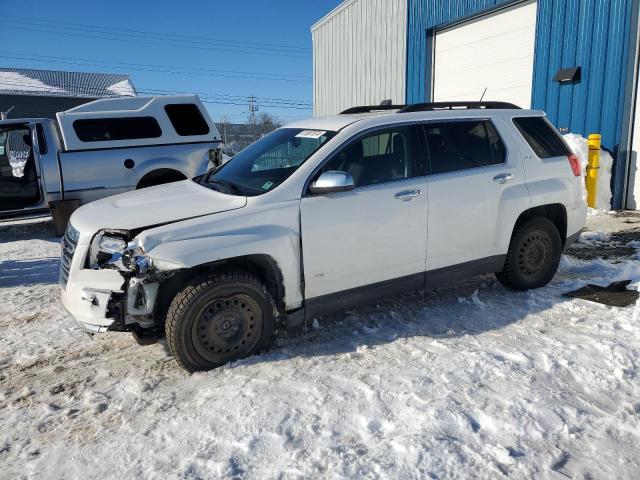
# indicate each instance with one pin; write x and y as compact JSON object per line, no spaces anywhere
{"x":123,"y":88}
{"x":579,"y":146}
{"x":17,"y":82}
{"x":471,"y":381}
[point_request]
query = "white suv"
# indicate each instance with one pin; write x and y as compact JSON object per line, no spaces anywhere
{"x":323,"y":214}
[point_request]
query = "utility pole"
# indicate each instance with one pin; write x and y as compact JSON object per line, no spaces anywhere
{"x":224,"y":131}
{"x":253,"y":108}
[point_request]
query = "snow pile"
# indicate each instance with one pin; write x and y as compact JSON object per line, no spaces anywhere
{"x":16,"y":82}
{"x":470,"y":381}
{"x":579,"y":146}
{"x":123,"y":88}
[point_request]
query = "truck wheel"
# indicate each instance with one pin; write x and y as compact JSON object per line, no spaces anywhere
{"x":533,"y":256}
{"x":215,"y":320}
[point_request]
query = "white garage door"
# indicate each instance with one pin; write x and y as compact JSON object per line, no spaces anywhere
{"x":633,"y":192}
{"x":492,"y":52}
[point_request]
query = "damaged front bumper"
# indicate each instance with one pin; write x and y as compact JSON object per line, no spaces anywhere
{"x":86,"y":293}
{"x":108,"y":299}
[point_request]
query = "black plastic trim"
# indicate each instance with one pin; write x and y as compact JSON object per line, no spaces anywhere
{"x":572,"y":239}
{"x":348,"y":298}
{"x":440,"y":276}
{"x":333,"y":302}
{"x":433,"y":106}
{"x":371,"y":108}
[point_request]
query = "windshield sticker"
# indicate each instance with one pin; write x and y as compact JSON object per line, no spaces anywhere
{"x":267,"y":185}
{"x":311,"y":134}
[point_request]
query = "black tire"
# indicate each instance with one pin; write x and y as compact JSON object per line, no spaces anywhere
{"x":533,"y":256}
{"x":218,"y":319}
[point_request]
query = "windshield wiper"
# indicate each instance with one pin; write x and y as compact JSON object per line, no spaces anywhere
{"x":228,"y":185}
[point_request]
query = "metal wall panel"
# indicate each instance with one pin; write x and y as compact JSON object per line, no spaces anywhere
{"x":592,"y":34}
{"x":359,"y":55}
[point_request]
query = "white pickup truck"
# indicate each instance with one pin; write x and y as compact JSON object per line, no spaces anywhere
{"x":100,"y":149}
{"x":323,"y":214}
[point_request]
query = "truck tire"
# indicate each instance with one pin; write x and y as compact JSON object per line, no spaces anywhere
{"x":218,"y":319}
{"x":533,"y":256}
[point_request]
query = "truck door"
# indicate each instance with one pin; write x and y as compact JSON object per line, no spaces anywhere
{"x":19,"y":168}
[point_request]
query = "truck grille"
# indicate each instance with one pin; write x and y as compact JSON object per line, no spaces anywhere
{"x":69,"y":242}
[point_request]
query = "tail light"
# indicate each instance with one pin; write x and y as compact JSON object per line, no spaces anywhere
{"x":574,"y":161}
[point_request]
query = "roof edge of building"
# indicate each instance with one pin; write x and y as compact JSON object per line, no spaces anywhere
{"x":344,"y":5}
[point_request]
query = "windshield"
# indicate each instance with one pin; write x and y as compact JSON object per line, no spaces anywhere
{"x":265,"y":164}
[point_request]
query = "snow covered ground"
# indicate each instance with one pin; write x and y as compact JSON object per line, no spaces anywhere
{"x":470,"y":381}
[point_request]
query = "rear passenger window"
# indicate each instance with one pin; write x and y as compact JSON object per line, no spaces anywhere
{"x":108,"y":129}
{"x":454,"y":146}
{"x":187,"y":119}
{"x":380,"y":157}
{"x":541,"y":137}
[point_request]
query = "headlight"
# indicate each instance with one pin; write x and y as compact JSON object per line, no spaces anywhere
{"x":112,"y":249}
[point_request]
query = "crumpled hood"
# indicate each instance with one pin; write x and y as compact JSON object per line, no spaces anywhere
{"x":152,"y":206}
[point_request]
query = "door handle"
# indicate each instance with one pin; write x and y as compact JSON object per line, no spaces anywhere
{"x":504,"y":178}
{"x":408,"y":194}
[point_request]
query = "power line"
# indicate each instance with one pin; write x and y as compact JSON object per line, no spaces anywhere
{"x":169,"y":43}
{"x":266,"y":105}
{"x":83,"y":88}
{"x":213,"y":98}
{"x":269,"y":99}
{"x":157,"y":68}
{"x":160,"y":35}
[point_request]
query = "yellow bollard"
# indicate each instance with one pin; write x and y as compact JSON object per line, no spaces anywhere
{"x":595,"y":143}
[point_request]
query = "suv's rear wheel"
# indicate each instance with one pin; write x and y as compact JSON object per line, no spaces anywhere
{"x":533,"y":256}
{"x":215,"y":320}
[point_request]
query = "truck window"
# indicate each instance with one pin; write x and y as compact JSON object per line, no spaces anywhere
{"x":541,"y":137}
{"x":187,"y":119}
{"x":109,"y":129}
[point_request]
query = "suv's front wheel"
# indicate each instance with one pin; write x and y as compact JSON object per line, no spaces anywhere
{"x":215,"y":320}
{"x":533,"y":256}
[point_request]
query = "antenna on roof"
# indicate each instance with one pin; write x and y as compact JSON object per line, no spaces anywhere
{"x":484,"y":93}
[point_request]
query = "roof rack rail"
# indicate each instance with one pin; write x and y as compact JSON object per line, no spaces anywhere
{"x":371,"y":108}
{"x":427,"y":107}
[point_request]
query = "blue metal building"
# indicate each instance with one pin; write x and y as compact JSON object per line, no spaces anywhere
{"x":596,"y":41}
{"x":595,"y":35}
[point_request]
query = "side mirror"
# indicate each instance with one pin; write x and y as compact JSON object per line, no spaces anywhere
{"x":332,"y":181}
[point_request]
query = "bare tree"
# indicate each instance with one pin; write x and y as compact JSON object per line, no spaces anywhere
{"x":268,"y":120}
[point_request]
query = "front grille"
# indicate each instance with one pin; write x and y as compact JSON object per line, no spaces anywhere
{"x":69,"y":242}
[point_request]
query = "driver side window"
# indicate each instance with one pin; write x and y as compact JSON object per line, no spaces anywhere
{"x":383,"y":156}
